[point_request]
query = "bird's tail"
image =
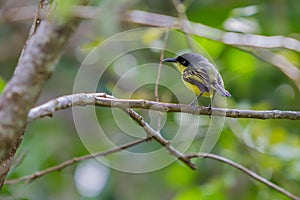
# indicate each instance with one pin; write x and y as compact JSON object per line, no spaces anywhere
{"x":221,"y":90}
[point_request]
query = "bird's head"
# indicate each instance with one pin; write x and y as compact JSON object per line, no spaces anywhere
{"x":185,"y":60}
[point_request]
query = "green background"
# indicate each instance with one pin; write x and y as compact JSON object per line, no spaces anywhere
{"x":269,"y":147}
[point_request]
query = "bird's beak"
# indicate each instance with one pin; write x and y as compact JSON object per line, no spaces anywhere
{"x":169,"y":60}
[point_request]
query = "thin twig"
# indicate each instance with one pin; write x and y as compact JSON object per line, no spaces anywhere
{"x":32,"y":177}
{"x":184,"y":22}
{"x":104,"y":100}
{"x":157,"y":136}
{"x":156,"y":95}
{"x":160,"y":66}
{"x":281,"y":62}
{"x":244,"y":170}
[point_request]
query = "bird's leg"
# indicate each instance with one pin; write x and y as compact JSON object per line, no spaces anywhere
{"x":211,"y":102}
{"x":192,"y":104}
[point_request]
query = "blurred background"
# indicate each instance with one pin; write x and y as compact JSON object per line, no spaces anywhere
{"x":269,"y":147}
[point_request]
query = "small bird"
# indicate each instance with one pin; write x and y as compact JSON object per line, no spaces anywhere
{"x":199,"y":75}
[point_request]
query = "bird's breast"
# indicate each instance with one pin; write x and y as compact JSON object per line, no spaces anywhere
{"x":195,"y":89}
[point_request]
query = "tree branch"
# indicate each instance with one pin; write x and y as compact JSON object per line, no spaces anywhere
{"x":244,"y":170}
{"x":232,"y":38}
{"x":83,"y":99}
{"x":159,"y":20}
{"x":32,"y":177}
{"x":38,"y":174}
{"x":157,"y":136}
{"x":239,"y":40}
{"x":281,"y":62}
{"x":104,"y":100}
{"x":36,"y":64}
{"x":64,"y":102}
{"x":39,"y":69}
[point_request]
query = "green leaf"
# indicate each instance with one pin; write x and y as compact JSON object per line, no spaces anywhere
{"x":2,"y":84}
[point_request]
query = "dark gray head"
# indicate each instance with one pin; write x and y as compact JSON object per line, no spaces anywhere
{"x":186,"y":59}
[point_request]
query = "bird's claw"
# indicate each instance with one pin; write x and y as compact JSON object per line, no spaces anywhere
{"x":194,"y":107}
{"x":210,"y":110}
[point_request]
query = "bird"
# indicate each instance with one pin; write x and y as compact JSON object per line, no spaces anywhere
{"x":200,"y":76}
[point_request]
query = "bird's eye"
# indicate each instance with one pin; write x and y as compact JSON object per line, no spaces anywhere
{"x":183,"y":62}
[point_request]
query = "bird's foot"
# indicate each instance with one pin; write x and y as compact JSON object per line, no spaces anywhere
{"x":210,"y":110}
{"x":195,"y":107}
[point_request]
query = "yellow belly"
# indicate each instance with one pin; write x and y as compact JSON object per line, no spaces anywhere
{"x":190,"y":86}
{"x":195,"y":89}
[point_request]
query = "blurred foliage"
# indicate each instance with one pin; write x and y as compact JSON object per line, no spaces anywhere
{"x":2,"y":84}
{"x":269,"y":147}
{"x":63,"y":8}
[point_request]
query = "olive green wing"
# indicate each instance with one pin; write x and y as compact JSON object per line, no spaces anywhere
{"x":219,"y":87}
{"x":213,"y":77}
{"x":197,"y":77}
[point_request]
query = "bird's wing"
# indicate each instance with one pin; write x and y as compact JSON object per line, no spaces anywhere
{"x":216,"y":81}
{"x":212,"y":77}
{"x":197,"y":77}
{"x":208,"y":68}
